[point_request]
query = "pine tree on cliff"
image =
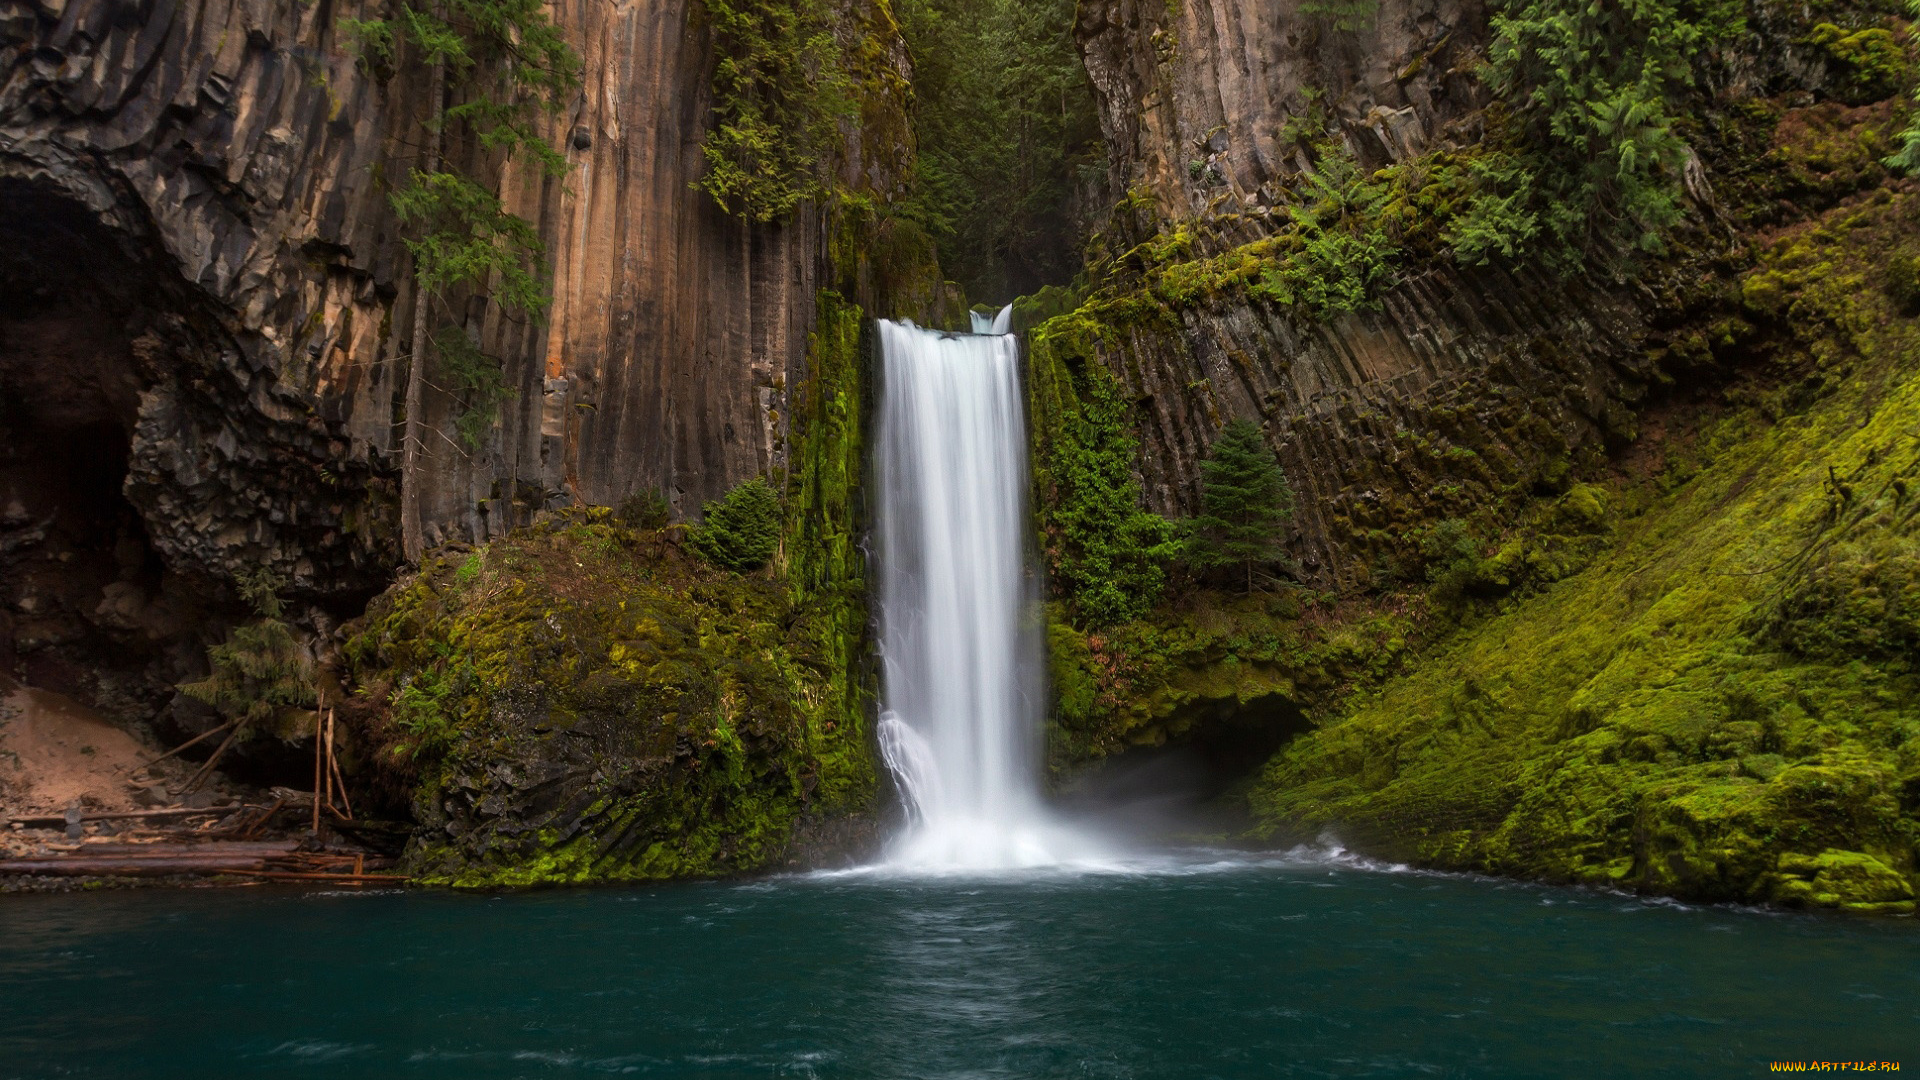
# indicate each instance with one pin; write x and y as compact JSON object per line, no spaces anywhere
{"x":1244,"y":501}
{"x":507,"y":63}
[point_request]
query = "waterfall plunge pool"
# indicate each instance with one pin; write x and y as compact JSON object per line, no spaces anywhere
{"x":1308,"y":964}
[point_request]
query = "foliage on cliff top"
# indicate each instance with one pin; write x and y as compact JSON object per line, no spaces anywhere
{"x":1721,"y":706}
{"x":780,"y":90}
{"x":1593,"y":91}
{"x":1007,"y":136}
{"x":586,"y":701}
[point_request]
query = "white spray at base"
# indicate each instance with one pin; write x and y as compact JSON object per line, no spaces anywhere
{"x":961,"y":682}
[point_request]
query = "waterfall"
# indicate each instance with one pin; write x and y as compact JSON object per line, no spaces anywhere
{"x":961,"y":682}
{"x":1001,"y":323}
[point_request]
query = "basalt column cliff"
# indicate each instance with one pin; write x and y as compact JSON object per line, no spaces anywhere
{"x":204,"y":338}
{"x":1581,"y":337}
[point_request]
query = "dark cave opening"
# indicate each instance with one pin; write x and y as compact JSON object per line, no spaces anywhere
{"x":1192,"y":780}
{"x":88,"y":608}
{"x":76,"y":567}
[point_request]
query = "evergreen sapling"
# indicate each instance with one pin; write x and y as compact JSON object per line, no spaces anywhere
{"x":741,"y":529}
{"x":1244,"y":501}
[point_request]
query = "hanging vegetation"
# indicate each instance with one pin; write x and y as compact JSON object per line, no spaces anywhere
{"x":780,"y":90}
{"x":505,"y":64}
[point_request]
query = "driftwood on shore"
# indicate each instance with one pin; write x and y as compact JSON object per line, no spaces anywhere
{"x":268,"y":860}
{"x":56,"y":821}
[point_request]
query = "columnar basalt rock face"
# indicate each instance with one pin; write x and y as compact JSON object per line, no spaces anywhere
{"x":240,"y":157}
{"x":1216,"y":82}
{"x":1461,"y":386}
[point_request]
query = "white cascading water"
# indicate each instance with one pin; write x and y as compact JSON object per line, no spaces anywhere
{"x":961,"y":683}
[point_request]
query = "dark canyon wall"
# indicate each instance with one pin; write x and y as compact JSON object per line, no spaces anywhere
{"x":1459,"y":386}
{"x":205,"y":184}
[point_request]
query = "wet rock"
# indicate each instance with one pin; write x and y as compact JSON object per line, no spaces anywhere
{"x":151,"y":795}
{"x":1843,"y":879}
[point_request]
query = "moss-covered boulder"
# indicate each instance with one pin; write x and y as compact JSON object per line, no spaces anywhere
{"x":584,"y":701}
{"x":1843,"y":879}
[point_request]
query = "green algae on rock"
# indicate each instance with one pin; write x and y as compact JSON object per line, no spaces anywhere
{"x":588,"y":702}
{"x":1210,"y":664}
{"x":1722,"y":704}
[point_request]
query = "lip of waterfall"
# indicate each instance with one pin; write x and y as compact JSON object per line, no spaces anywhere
{"x":1000,"y":323}
{"x":961,"y":659}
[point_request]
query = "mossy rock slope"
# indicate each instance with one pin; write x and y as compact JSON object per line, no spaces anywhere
{"x":1723,"y":702}
{"x":584,"y":701}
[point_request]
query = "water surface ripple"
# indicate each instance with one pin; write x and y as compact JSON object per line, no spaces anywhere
{"x":1287,"y":966}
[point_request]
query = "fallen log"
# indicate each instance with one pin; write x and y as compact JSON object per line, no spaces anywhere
{"x":208,"y":849}
{"x":200,"y":857}
{"x":59,"y":821}
{"x":342,"y":879}
{"x":182,"y":865}
{"x":132,"y":865}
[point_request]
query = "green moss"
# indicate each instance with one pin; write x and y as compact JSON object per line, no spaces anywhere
{"x":1105,"y":554}
{"x":1170,"y":676}
{"x":824,"y":564}
{"x":1870,"y":62}
{"x":593,"y":703}
{"x":1845,"y":879}
{"x":588,"y":701}
{"x":1719,"y":686}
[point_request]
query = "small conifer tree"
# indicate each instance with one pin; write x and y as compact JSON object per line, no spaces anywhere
{"x":261,"y":667}
{"x":1244,"y":501}
{"x":741,"y":529}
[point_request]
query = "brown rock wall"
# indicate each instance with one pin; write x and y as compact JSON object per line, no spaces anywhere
{"x":1217,"y":82}
{"x":1460,"y":390}
{"x":239,"y":158}
{"x":1455,"y":394}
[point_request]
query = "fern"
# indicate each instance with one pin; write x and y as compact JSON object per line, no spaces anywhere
{"x":1345,"y":256}
{"x":1907,"y":158}
{"x":1594,"y":160}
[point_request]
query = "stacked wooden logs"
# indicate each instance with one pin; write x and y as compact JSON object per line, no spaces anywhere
{"x":265,"y":860}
